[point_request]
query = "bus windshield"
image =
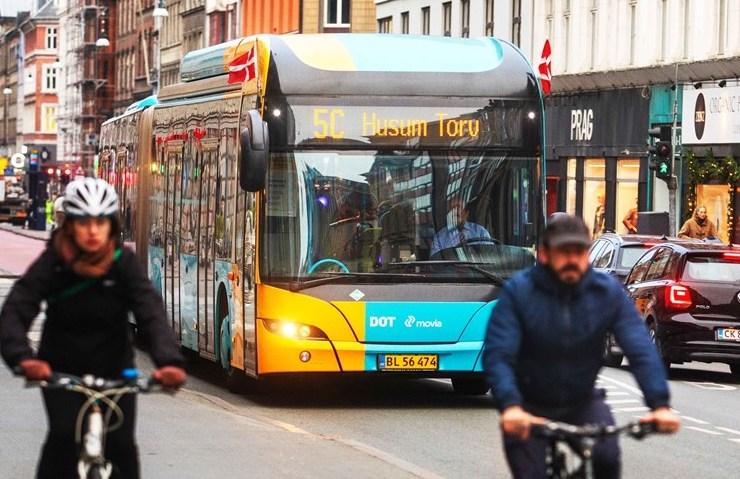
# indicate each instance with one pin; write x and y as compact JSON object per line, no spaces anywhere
{"x":449,"y":215}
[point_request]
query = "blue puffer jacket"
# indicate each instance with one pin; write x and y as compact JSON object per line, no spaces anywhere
{"x":545,"y":341}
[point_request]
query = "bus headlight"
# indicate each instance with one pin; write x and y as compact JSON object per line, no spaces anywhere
{"x":294,"y":330}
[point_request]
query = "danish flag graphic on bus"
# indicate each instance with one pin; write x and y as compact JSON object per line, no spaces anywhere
{"x":244,"y":67}
{"x":544,"y":68}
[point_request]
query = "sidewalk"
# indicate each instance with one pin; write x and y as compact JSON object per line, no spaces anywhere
{"x":33,"y":234}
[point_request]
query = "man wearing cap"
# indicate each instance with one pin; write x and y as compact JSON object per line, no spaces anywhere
{"x":544,"y":349}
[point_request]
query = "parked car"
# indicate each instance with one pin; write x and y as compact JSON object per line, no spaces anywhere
{"x":688,"y":293}
{"x":616,"y":254}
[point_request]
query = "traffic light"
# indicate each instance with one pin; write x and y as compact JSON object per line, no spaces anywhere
{"x":661,"y":153}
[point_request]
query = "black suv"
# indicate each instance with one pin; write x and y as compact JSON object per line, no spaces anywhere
{"x":689,"y":296}
{"x":616,"y":254}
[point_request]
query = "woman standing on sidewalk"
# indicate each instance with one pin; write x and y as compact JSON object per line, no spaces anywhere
{"x":90,"y":283}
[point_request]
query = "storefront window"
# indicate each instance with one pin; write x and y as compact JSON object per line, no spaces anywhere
{"x":628,"y":176}
{"x":594,"y":186}
{"x":570,"y":195}
{"x":716,"y":198}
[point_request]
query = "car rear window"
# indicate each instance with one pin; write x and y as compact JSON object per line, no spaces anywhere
{"x":712,"y":268}
{"x":630,"y":255}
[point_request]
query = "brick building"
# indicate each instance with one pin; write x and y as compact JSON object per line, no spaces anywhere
{"x":134,"y":52}
{"x":9,"y":57}
{"x":307,"y":16}
{"x":40,"y":79}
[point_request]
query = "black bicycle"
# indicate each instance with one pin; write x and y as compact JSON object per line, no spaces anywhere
{"x":570,"y":448}
{"x":92,"y":463}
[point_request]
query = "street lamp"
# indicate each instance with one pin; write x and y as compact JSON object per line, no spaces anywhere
{"x":6,"y":94}
{"x":102,"y":40}
{"x":160,"y":12}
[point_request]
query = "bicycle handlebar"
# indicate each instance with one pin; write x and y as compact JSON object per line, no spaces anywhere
{"x":68,"y":381}
{"x":560,"y":430}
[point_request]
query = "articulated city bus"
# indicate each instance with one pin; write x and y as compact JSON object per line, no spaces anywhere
{"x":335,"y":203}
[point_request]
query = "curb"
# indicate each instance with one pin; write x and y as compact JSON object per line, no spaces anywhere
{"x":25,"y":233}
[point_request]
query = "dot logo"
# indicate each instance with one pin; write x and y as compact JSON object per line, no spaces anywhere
{"x":700,"y":116}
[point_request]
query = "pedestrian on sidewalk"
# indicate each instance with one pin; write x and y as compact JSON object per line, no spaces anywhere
{"x":699,"y":226}
{"x":90,"y":283}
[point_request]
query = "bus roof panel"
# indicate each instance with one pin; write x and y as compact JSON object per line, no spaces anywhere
{"x":369,"y":64}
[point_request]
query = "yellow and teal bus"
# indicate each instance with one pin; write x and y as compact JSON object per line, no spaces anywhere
{"x":335,"y":203}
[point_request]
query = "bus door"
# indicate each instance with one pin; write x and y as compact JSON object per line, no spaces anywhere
{"x":206,"y":278}
{"x":188,"y":243}
{"x":172,"y":235}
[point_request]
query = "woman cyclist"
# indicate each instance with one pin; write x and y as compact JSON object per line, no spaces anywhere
{"x":90,"y":283}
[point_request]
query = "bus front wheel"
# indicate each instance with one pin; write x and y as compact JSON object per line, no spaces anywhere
{"x":470,"y":386}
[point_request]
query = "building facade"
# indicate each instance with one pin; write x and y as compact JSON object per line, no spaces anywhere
{"x":222,"y":21}
{"x":307,"y":16}
{"x":661,"y":49}
{"x":171,"y":41}
{"x":193,"y":25}
{"x":40,"y":80}
{"x":86,"y":86}
{"x":10,"y":56}
{"x":510,"y":20}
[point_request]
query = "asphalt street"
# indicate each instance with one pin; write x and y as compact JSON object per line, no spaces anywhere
{"x":367,"y":427}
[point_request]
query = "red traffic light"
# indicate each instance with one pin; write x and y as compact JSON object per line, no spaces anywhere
{"x":663,"y":149}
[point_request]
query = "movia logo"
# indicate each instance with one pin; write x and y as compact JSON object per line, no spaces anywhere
{"x":412,"y":322}
{"x":700,"y":116}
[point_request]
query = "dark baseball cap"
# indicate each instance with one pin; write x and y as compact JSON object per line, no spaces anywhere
{"x":563,"y":229}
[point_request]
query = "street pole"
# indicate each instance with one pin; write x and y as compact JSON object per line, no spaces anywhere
{"x":673,"y":183}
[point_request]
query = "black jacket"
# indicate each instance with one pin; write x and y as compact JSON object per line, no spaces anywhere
{"x":545,"y":342}
{"x":87,"y":328}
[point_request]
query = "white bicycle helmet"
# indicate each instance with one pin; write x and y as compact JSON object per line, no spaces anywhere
{"x":90,"y":197}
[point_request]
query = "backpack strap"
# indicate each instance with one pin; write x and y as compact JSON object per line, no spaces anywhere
{"x":79,"y":286}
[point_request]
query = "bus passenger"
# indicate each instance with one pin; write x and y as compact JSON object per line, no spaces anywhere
{"x":459,"y":230}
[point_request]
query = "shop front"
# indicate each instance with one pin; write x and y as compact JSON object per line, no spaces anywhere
{"x":597,"y":166}
{"x":711,"y":152}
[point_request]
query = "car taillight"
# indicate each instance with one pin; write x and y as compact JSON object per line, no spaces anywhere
{"x":678,"y":297}
{"x":731,"y":256}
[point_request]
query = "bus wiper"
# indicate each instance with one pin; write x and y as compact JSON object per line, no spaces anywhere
{"x":495,"y":279}
{"x":337,"y":277}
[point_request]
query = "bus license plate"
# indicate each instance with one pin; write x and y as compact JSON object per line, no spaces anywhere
{"x":408,"y":362}
{"x":728,"y":334}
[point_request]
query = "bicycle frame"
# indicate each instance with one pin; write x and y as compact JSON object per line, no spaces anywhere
{"x":580,"y":441}
{"x":97,"y":425}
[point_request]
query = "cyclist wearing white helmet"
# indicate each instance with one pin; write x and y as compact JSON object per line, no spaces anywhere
{"x":90,"y":283}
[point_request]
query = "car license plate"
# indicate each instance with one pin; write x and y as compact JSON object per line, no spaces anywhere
{"x":408,"y":362}
{"x":728,"y":334}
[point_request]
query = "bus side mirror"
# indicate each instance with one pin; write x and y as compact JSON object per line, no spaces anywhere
{"x":255,"y":148}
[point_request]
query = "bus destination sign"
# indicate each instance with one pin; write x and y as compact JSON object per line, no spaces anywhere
{"x":401,"y":126}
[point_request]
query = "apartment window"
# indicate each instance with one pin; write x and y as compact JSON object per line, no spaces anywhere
{"x":489,"y":18}
{"x":663,"y":29}
{"x":51,"y":38}
{"x":594,"y":31}
{"x":633,"y":30}
{"x":50,"y":78}
{"x":516,"y":22}
{"x":548,"y":17}
{"x":425,"y":23}
{"x":385,"y":25}
{"x":404,"y":22}
{"x":231,"y":22}
{"x":336,"y":13}
{"x":49,"y":118}
{"x":447,"y":19}
{"x":465,"y":14}
{"x":722,"y":27}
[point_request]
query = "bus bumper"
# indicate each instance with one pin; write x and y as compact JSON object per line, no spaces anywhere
{"x":290,"y":355}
